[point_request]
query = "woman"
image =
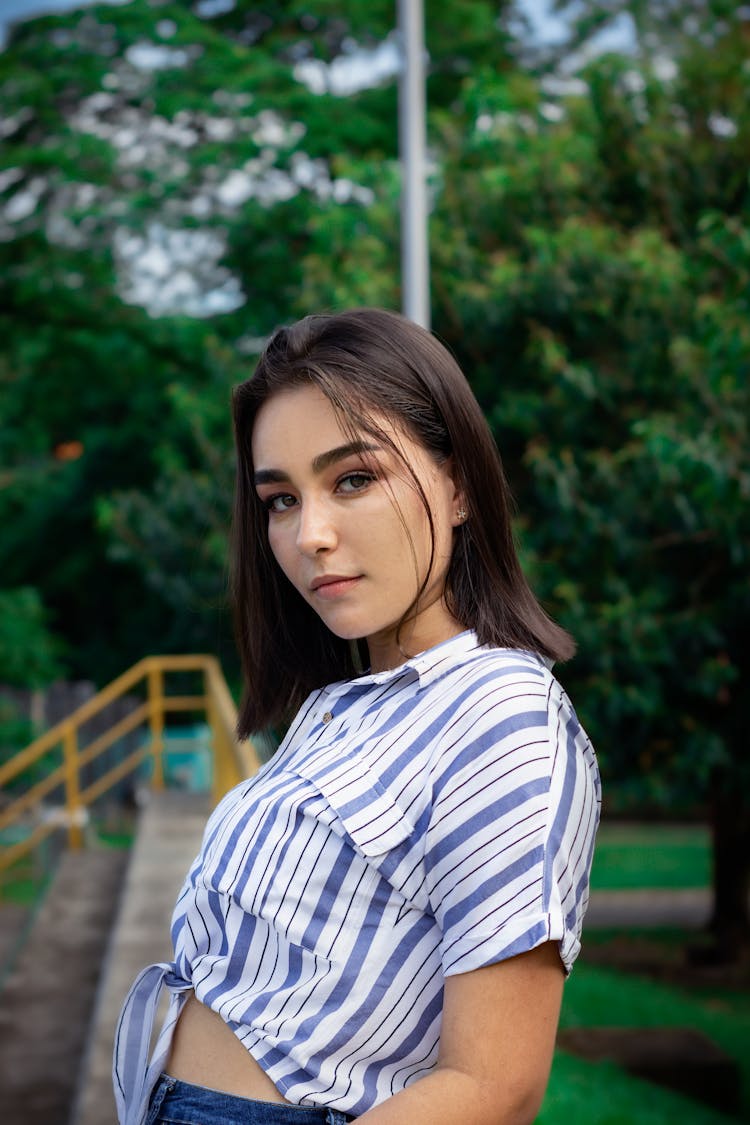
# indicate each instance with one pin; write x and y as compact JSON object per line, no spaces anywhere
{"x":380,"y":921}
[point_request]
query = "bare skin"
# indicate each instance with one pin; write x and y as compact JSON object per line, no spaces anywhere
{"x":338,"y":511}
{"x":206,"y":1052}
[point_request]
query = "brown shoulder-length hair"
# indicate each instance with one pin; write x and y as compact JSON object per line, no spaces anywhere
{"x":372,"y":363}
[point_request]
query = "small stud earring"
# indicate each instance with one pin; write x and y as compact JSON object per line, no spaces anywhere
{"x":461,"y":515}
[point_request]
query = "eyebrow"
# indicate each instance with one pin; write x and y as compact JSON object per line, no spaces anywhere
{"x":320,"y":463}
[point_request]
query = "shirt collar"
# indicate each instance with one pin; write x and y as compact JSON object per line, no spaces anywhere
{"x":425,"y":666}
{"x":432,"y":663}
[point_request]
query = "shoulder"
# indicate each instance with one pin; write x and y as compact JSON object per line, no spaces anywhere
{"x":505,"y":705}
{"x":500,"y":673}
{"x":492,"y":688}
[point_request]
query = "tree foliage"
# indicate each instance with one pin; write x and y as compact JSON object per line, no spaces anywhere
{"x":156,"y":158}
{"x":30,"y":655}
{"x":601,"y":302}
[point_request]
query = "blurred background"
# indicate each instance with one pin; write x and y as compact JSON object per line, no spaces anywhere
{"x":177,"y":179}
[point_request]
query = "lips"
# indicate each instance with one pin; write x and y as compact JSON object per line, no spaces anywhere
{"x":329,"y":584}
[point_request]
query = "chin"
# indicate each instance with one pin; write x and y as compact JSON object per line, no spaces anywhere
{"x":356,"y":630}
{"x":345,"y":632}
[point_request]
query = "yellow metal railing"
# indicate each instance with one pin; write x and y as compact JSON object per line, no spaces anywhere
{"x":232,"y":760}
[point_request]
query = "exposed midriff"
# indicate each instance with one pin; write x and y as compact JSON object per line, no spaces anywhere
{"x":207,"y":1053}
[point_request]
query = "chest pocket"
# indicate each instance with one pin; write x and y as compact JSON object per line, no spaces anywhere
{"x":320,"y":903}
{"x":363,"y":807}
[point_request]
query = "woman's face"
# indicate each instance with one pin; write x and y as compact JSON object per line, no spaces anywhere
{"x":348,"y":527}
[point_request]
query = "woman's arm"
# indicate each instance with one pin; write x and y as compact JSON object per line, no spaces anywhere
{"x":496,"y":1045}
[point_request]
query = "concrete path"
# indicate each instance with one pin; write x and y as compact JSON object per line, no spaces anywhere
{"x":168,"y":838}
{"x":48,"y":996}
{"x":15,"y":923}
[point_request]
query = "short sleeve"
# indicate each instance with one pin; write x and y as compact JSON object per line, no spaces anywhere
{"x":516,"y":801}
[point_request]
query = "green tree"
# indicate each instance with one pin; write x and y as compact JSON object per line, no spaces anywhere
{"x":591,"y":266}
{"x":30,"y":657}
{"x":154,"y":158}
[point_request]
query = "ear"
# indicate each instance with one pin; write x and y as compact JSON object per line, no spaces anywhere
{"x":460,"y":515}
{"x":458,"y":506}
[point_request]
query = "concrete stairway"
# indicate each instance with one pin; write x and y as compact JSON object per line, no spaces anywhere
{"x":168,"y":838}
{"x":48,"y":996}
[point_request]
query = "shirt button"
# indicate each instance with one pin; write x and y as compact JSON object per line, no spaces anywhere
{"x":328,"y":716}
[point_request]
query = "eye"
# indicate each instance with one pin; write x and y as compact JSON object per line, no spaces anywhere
{"x":354,"y":482}
{"x":281,"y":502}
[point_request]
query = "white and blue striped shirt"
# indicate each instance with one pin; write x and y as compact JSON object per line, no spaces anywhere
{"x":414,"y":823}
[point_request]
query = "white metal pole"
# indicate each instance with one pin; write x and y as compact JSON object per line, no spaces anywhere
{"x":415,"y":265}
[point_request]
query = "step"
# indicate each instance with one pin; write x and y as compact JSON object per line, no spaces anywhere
{"x":168,"y":837}
{"x":49,"y":994}
{"x":688,"y":909}
{"x":15,"y":921}
{"x":679,"y":1058}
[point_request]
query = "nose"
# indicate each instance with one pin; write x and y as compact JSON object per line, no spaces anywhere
{"x":316,"y":530}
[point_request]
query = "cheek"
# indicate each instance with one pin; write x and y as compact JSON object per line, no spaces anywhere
{"x":409,"y":544}
{"x":279,"y":544}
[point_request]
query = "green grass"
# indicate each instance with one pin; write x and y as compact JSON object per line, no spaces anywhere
{"x":22,"y":889}
{"x":636,"y":856}
{"x":582,"y":1093}
{"x":116,"y":839}
{"x":25,"y":881}
{"x":586,"y":1093}
{"x":632,"y":857}
{"x":598,"y":996}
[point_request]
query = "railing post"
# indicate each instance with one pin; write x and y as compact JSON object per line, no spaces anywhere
{"x":73,"y":807}
{"x":156,"y":722}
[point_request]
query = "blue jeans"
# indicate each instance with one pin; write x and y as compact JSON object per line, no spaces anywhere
{"x":180,"y":1103}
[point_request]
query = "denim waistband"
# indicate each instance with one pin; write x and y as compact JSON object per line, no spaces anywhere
{"x":175,"y":1100}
